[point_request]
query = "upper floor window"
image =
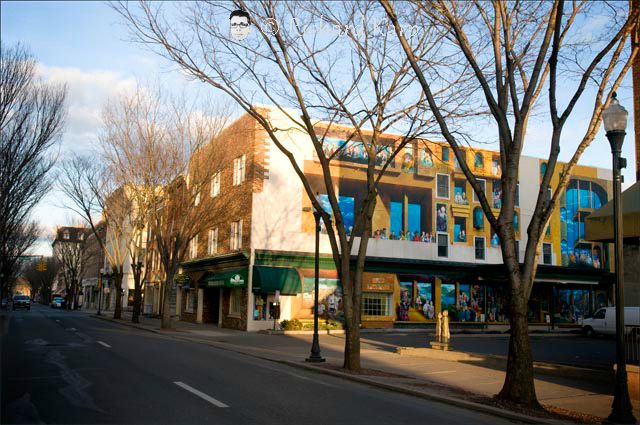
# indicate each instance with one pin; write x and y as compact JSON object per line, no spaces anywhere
{"x":495,"y":166}
{"x":239,"y":169}
{"x":236,"y":235}
{"x":215,"y":185}
{"x":445,"y":154}
{"x":212,"y":247}
{"x":65,"y":234}
{"x":546,"y":253}
{"x":443,"y":245}
{"x":479,"y":243}
{"x":483,"y":187}
{"x":443,"y":186}
{"x":479,"y":161}
{"x":193,"y":248}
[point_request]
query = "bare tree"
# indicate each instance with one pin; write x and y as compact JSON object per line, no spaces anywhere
{"x":17,"y":242}
{"x":41,"y":273}
{"x":73,"y":257}
{"x":94,"y":197}
{"x":31,"y":120}
{"x":514,"y":51}
{"x":157,"y":149}
{"x":322,"y":81}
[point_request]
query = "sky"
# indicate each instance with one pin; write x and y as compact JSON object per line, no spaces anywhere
{"x":86,"y":46}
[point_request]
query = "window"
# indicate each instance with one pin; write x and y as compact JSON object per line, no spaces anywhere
{"x":549,"y":194}
{"x":65,"y":235}
{"x":479,"y":161}
{"x":236,"y":235}
{"x":196,"y":201}
{"x":460,"y":192}
{"x":497,"y":195}
{"x":376,"y":304}
{"x":495,"y":166}
{"x":546,"y":253}
{"x":478,"y":218}
{"x":81,"y":236}
{"x":189,"y":298}
{"x":443,"y":245}
{"x":238,"y":170}
{"x":212,"y":247}
{"x":480,"y":248}
{"x":459,"y":229}
{"x":483,"y":187}
{"x":215,"y":185}
{"x":193,"y":248}
{"x":600,"y":314}
{"x":235,"y":301}
{"x":445,"y":154}
{"x":443,"y":186}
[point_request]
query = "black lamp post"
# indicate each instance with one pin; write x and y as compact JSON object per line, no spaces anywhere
{"x":615,"y":123}
{"x":315,"y":356}
{"x":100,"y":289}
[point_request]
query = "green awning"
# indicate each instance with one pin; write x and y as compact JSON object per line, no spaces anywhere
{"x":228,"y":279}
{"x":268,"y":280}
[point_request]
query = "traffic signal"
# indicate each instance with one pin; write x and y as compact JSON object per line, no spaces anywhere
{"x":41,"y":266}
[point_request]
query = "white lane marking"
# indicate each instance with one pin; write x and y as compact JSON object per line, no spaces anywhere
{"x":200,"y":394}
{"x":104,"y":344}
{"x":57,"y":320}
{"x":71,"y":329}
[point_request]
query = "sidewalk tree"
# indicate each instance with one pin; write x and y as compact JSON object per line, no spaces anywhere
{"x":41,"y":273}
{"x":323,"y":81}
{"x":31,"y":120}
{"x":88,"y":184}
{"x":522,"y":55}
{"x":157,"y":147}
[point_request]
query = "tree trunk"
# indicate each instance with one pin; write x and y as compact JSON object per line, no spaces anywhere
{"x":137,"y":298}
{"x":519,"y":386}
{"x":351,"y":322}
{"x":117,"y":312}
{"x":165,"y":322}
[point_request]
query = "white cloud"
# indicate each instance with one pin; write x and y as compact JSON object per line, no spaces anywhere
{"x":87,"y":93}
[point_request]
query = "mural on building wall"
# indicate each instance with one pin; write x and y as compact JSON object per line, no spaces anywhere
{"x":581,"y":198}
{"x":441,"y":218}
{"x":354,"y":151}
{"x":416,"y":300}
{"x":329,"y":299}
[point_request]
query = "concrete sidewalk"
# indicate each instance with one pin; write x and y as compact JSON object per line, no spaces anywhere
{"x":588,"y":393}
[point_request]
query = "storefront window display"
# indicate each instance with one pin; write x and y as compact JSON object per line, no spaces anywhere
{"x":470,"y":303}
{"x":497,"y":306}
{"x":571,"y":305}
{"x":259,"y":306}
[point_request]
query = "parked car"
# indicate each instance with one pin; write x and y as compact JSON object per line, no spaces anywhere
{"x":57,"y":302}
{"x":5,"y":303}
{"x":603,"y":320}
{"x":21,"y":301}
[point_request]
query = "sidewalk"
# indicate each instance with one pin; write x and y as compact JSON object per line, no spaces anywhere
{"x":588,"y":393}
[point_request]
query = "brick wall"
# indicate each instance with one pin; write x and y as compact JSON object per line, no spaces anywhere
{"x":234,"y":322}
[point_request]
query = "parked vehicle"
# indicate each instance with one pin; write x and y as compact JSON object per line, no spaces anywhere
{"x":603,"y":320}
{"x":21,"y":301}
{"x":57,"y":302}
{"x":5,"y":303}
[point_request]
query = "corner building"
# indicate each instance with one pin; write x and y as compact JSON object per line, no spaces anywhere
{"x":432,"y":248}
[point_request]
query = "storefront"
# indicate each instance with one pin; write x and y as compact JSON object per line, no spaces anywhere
{"x":377,"y":300}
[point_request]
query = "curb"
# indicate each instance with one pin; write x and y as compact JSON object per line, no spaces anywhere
{"x":389,"y":387}
{"x":494,"y":411}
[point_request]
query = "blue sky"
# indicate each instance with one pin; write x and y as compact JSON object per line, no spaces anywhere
{"x":85,"y":45}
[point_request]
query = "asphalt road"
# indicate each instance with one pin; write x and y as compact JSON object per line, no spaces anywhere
{"x":67,"y":367}
{"x":568,"y":349}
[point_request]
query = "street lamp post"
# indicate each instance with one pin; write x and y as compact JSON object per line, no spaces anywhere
{"x":100,"y":292}
{"x":615,"y":123}
{"x":315,"y":356}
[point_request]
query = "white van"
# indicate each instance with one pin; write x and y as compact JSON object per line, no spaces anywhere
{"x":603,"y":320}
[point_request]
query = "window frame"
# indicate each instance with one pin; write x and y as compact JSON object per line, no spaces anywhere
{"x":438,"y":175}
{"x":239,"y":170}
{"x":550,"y":262}
{"x":215,"y":185}
{"x":235,"y":239}
{"x":446,"y":246}
{"x":212,"y":244}
{"x":484,"y":248}
{"x":235,"y":296}
{"x":484,"y":190}
{"x":193,"y":249}
{"x":386,"y":308}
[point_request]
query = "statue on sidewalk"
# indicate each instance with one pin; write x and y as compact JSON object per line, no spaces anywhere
{"x":443,"y":333}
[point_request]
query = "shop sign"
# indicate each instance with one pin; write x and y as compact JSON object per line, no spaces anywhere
{"x":378,"y":284}
{"x":236,"y":280}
